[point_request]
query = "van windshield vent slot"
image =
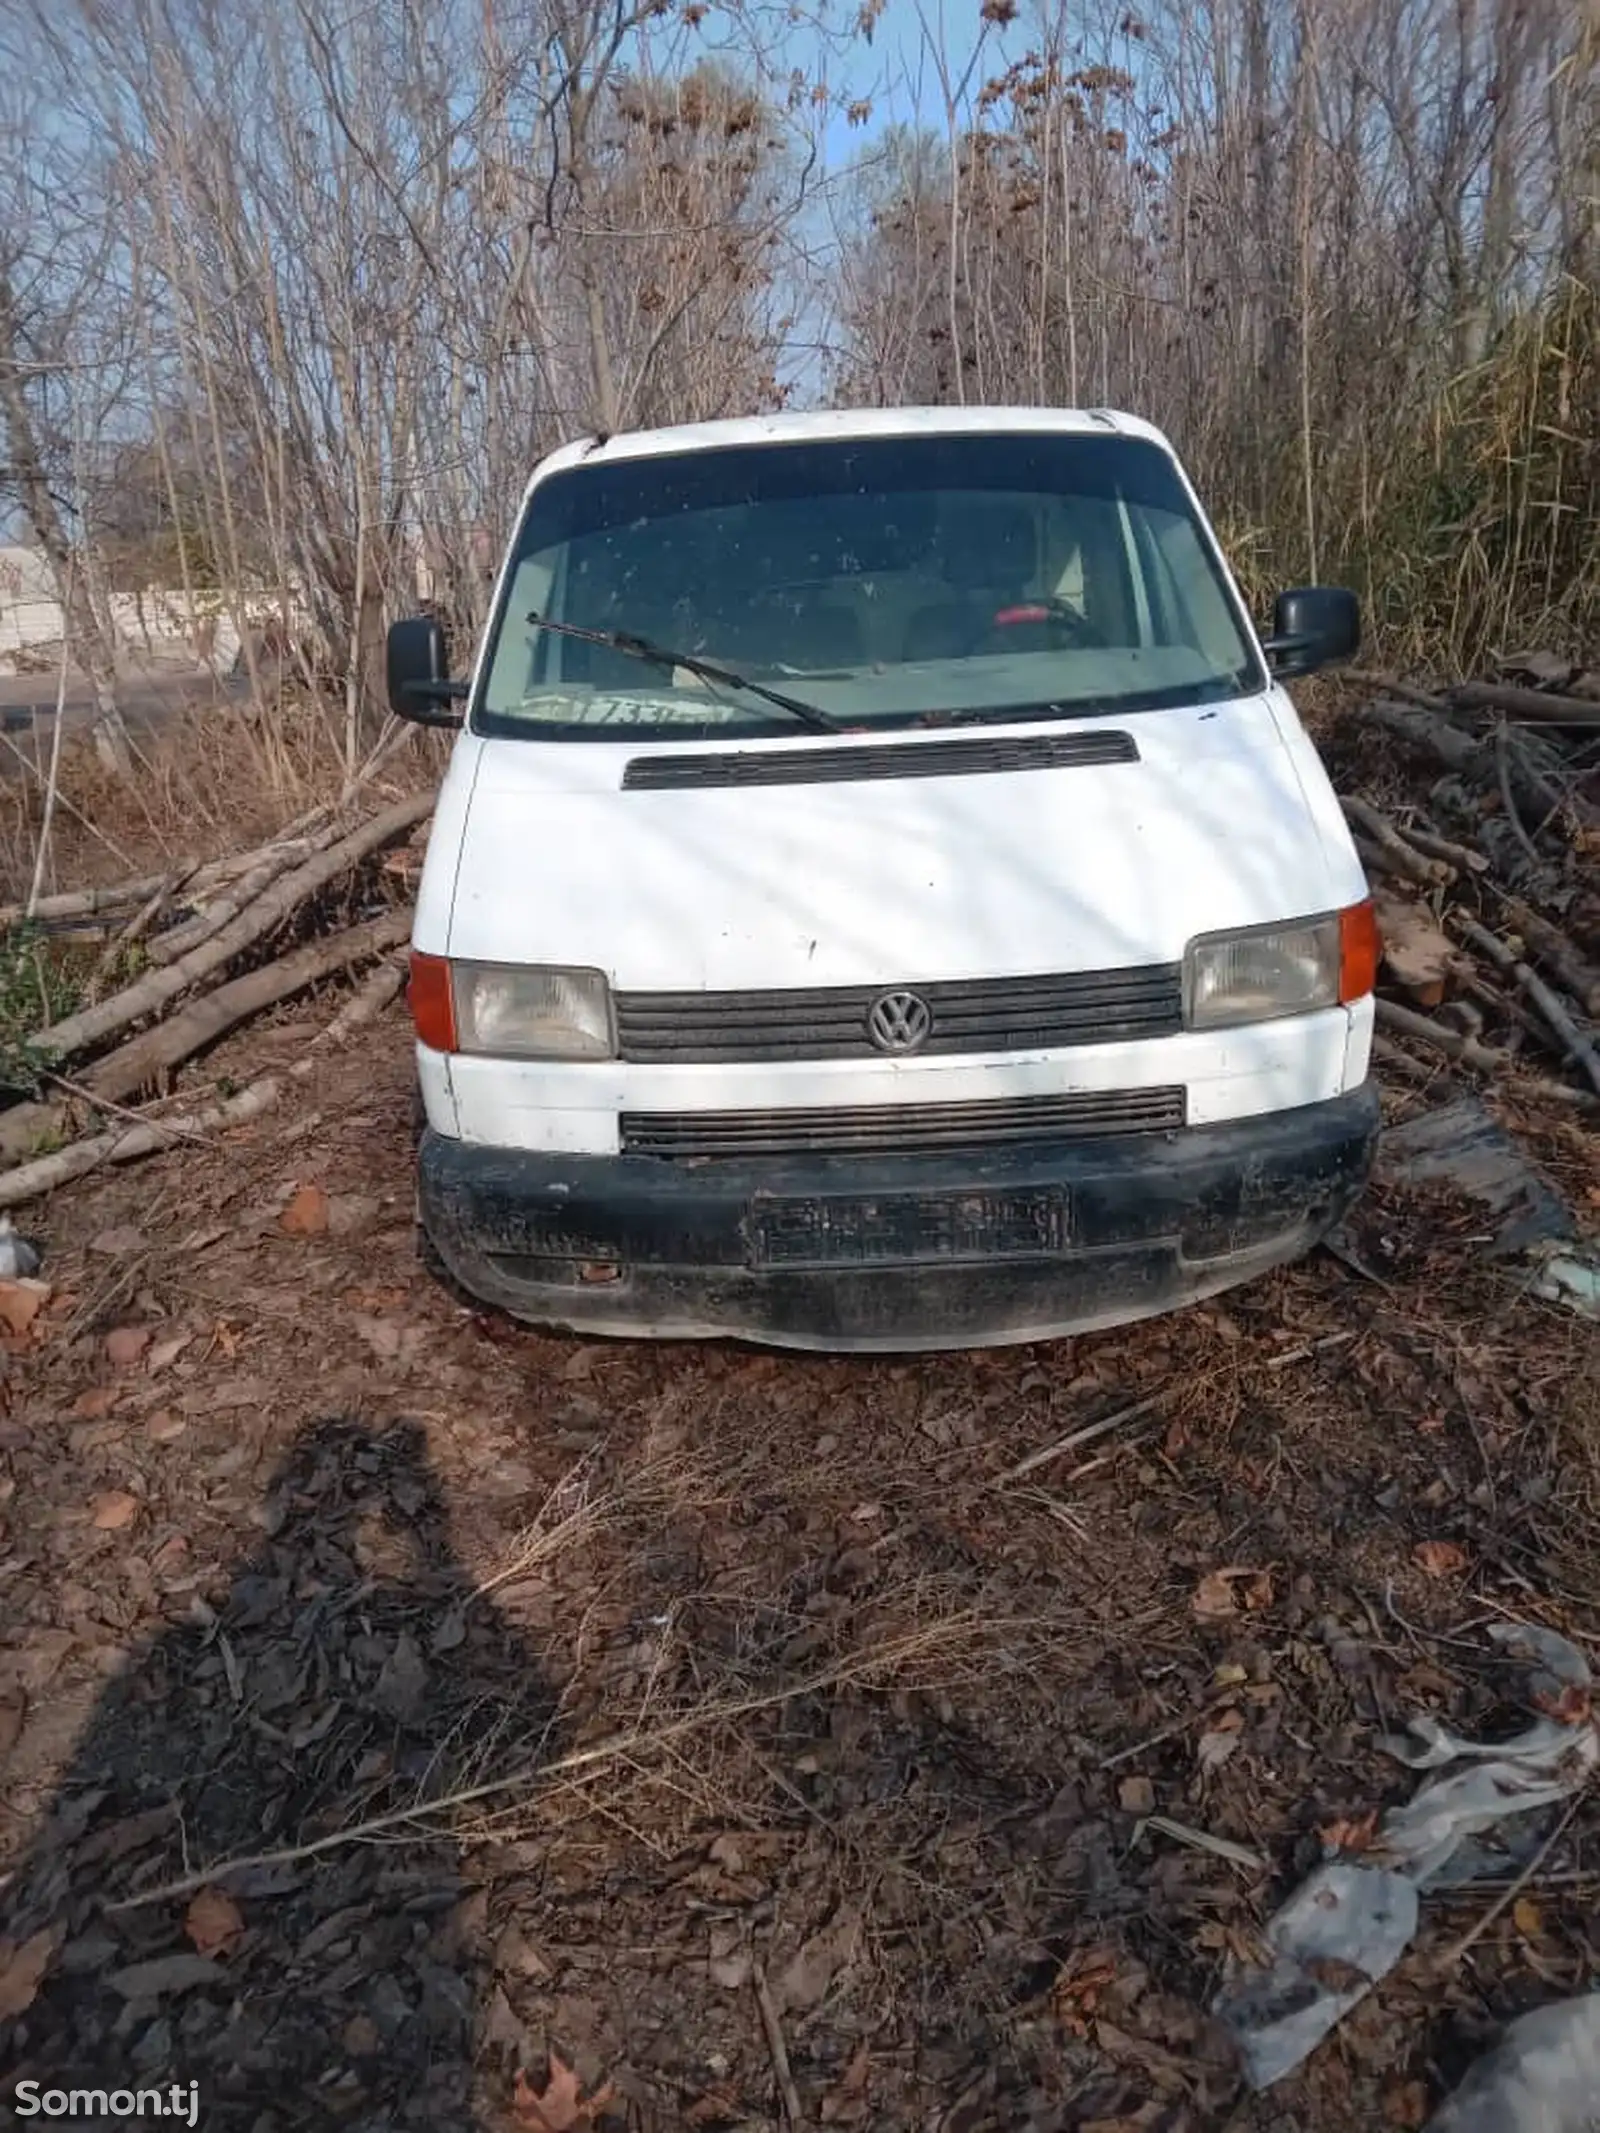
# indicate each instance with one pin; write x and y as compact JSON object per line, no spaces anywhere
{"x":914,"y":759}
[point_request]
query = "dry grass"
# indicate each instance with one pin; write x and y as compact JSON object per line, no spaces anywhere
{"x":211,"y":780}
{"x":1476,"y":535}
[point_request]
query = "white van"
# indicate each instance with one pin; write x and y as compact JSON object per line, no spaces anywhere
{"x":881,"y":897}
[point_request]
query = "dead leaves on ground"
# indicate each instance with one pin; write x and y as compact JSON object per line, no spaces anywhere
{"x":1439,"y":1558}
{"x":846,"y":2104}
{"x":213,"y":1923}
{"x":721,"y":2106}
{"x":1081,"y":1984}
{"x":306,"y":1214}
{"x":1223,"y":1594}
{"x":1406,"y":2104}
{"x":1219,"y":1741}
{"x":560,"y":2106}
{"x":1527,"y":1917}
{"x":312,"y":1211}
{"x":389,"y":1341}
{"x":1347,"y":1833}
{"x":167,"y":1352}
{"x":114,"y":1511}
{"x":805,"y":1981}
{"x":22,"y":1968}
{"x":21,"y":1301}
{"x":1573,"y":1705}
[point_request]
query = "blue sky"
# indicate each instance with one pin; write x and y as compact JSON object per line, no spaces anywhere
{"x":897,"y":71}
{"x":899,"y":76}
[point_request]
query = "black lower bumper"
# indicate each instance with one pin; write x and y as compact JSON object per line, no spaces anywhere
{"x":893,"y":1253}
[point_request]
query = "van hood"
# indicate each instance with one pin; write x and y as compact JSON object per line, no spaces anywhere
{"x":1222,"y":818}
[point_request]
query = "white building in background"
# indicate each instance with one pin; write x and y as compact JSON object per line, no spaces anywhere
{"x":30,"y":613}
{"x":157,"y":626}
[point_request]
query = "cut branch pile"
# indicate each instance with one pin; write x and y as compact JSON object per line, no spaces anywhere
{"x":219,"y":945}
{"x":1476,"y":811}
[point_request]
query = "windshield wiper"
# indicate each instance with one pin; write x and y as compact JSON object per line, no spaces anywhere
{"x":703,"y":669}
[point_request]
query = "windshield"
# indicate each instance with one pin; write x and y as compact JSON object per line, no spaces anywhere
{"x":886,"y":581}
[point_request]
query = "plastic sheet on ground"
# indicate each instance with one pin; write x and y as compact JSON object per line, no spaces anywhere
{"x":1543,"y":2077}
{"x":1461,"y":1144}
{"x":1571,"y":1278}
{"x":1352,"y":1920}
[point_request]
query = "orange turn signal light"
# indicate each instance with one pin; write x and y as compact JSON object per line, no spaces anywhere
{"x":432,"y":1002}
{"x":1358,"y":951}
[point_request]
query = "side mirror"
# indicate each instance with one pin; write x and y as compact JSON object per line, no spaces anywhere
{"x":417,"y":667}
{"x":1313,"y":626}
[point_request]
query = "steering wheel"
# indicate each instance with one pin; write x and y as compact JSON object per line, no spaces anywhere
{"x":1048,"y":613}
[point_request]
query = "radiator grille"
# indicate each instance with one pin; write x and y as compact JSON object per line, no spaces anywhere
{"x":830,"y":1022}
{"x":902,"y":1129}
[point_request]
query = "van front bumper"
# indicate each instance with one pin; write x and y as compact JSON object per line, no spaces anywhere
{"x":896,"y":1253}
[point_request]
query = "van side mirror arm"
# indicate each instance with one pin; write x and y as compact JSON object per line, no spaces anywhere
{"x":426,"y":702}
{"x":1285,"y":654}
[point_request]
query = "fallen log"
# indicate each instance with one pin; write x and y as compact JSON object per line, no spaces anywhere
{"x":118,"y":895}
{"x":154,"y":1053}
{"x":77,"y":1033}
{"x":1486,"y":1058}
{"x":1404,"y":859}
{"x":1549,"y":945}
{"x":1372,"y":859}
{"x":1426,"y":729}
{"x":1392,"y":685}
{"x":1469,"y":1052}
{"x":31,"y":1180}
{"x":1463,"y":857}
{"x":1508,"y":804}
{"x":274,"y":860}
{"x":1475,"y":756}
{"x":1390,"y":1055}
{"x":1535,"y":770}
{"x":1538,"y":706}
{"x":137,"y":926}
{"x":1554,"y":1010}
{"x":84,"y":903}
{"x":157,"y":1051}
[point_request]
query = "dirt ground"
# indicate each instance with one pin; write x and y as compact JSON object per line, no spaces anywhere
{"x":806,"y":1757}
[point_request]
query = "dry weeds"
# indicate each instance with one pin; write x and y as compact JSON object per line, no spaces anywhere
{"x":211,"y":780}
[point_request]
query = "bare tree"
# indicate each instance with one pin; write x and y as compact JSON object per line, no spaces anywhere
{"x":375,"y":263}
{"x":1301,"y":238}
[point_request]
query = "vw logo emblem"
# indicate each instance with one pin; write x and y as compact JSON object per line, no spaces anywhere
{"x":899,"y":1022}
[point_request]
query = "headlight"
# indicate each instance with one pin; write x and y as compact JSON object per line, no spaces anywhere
{"x":506,"y":1011}
{"x":1262,"y":972}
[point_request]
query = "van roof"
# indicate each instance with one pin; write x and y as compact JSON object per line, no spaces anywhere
{"x":837,"y":423}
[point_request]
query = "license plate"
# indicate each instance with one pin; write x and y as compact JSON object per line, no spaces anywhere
{"x":907,"y":1228}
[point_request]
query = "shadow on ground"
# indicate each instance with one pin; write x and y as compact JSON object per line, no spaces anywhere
{"x":351,"y":1671}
